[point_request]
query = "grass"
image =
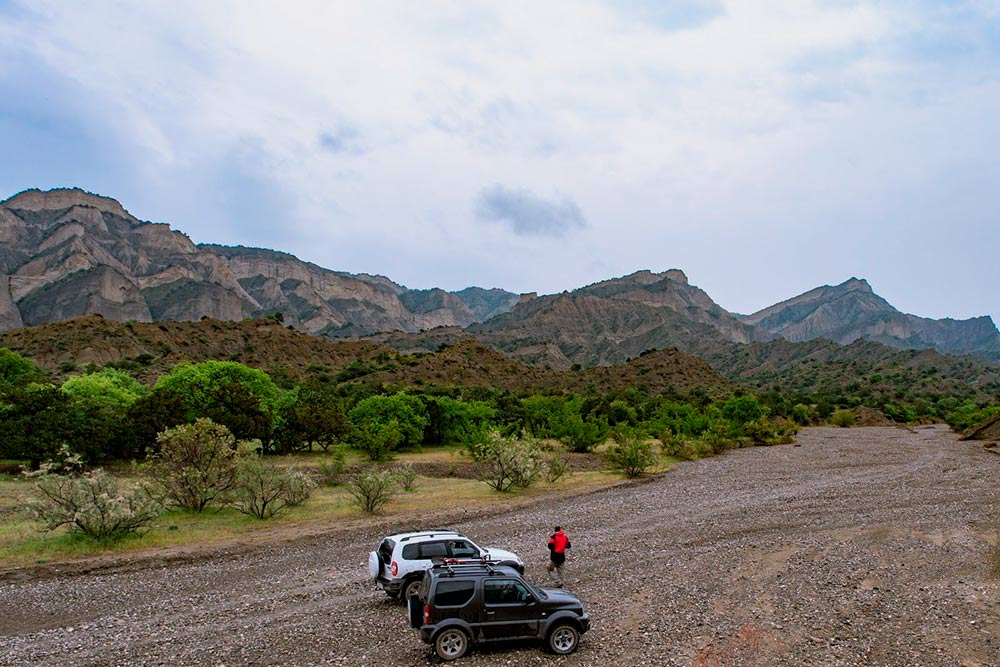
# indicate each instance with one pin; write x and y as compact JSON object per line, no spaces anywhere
{"x":22,"y":542}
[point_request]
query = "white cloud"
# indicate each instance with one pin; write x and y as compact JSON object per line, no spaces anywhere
{"x":375,"y":126}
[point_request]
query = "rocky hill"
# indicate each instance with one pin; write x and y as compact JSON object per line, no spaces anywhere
{"x":851,"y":311}
{"x":613,"y":321}
{"x":151,"y":349}
{"x":68,"y":253}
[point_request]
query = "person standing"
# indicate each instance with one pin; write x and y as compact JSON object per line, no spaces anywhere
{"x":558,"y":544}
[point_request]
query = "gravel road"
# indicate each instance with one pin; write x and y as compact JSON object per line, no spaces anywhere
{"x":866,"y":546}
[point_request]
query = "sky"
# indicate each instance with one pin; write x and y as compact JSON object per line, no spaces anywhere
{"x":763,"y":147}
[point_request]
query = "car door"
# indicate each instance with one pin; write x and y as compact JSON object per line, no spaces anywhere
{"x":510,"y":610}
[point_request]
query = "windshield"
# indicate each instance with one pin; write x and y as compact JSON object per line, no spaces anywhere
{"x":537,"y":591}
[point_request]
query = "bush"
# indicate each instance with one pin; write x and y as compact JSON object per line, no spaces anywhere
{"x":505,"y":463}
{"x":842,"y":418}
{"x":771,"y":431}
{"x":196,"y":464}
{"x":96,"y":505}
{"x":372,"y":489}
{"x":556,"y":467}
{"x":405,"y":476}
{"x":331,"y":468}
{"x":262,"y":489}
{"x":802,"y":414}
{"x":632,"y":453}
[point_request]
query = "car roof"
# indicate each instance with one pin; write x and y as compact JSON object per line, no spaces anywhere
{"x":418,"y":536}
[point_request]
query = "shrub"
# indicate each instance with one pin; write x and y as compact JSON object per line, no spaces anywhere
{"x":771,"y":431}
{"x":262,"y":489}
{"x":406,"y":476}
{"x":632,"y":453}
{"x":842,"y":418}
{"x":96,"y":505}
{"x":372,"y":489}
{"x":802,"y":414}
{"x":556,"y":467}
{"x":331,"y":468}
{"x":196,"y":464}
{"x":505,"y":463}
{"x":582,"y":435}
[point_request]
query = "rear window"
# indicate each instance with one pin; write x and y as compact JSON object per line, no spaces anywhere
{"x":454,"y":593}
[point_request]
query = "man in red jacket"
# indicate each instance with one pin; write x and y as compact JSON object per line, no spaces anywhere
{"x":558,"y":544}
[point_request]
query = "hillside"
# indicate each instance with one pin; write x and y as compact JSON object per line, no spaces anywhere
{"x":150,"y":349}
{"x":852,"y":311}
{"x":67,"y":253}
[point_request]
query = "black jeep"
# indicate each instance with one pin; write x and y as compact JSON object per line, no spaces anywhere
{"x":461,"y":603}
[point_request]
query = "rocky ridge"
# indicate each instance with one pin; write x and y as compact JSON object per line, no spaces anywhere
{"x":851,"y":311}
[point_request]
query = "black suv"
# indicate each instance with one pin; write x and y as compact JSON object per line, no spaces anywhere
{"x":461,"y":603}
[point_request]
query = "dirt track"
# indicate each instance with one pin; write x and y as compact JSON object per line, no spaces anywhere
{"x":860,"y":547}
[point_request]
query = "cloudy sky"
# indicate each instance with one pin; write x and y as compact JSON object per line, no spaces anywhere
{"x":764,"y":147}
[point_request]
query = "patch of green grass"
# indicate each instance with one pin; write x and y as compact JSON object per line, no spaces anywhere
{"x":23,"y":543}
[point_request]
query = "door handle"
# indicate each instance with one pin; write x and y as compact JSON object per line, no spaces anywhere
{"x":490,"y":613}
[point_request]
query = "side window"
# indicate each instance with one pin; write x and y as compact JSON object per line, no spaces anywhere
{"x":433,"y":550}
{"x":504,"y":591}
{"x":463,"y":549}
{"x":454,"y":593}
{"x":411,"y":551}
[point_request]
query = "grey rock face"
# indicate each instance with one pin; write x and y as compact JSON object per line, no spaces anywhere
{"x":66,"y":253}
{"x":850,"y":311}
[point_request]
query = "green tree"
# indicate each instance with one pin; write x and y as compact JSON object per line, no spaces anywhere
{"x":406,"y":414}
{"x":146,"y":418}
{"x":453,"y":421}
{"x":98,"y":403}
{"x":244,"y":399}
{"x":317,"y":416}
{"x":34,"y":422}
{"x":16,"y":370}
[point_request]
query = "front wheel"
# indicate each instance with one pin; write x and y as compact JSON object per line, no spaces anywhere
{"x":563,"y":639}
{"x":451,"y":644}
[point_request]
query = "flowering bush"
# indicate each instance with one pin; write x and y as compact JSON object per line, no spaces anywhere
{"x":95,"y":504}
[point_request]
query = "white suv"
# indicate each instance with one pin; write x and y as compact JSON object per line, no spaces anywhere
{"x":399,"y":562}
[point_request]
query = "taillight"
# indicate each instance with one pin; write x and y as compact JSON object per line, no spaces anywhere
{"x":395,"y":568}
{"x":427,"y":614}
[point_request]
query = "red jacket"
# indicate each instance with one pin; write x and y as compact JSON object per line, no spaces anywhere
{"x":558,"y":544}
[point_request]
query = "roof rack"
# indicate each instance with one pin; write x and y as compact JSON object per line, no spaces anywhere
{"x":454,"y":565}
{"x":431,"y":532}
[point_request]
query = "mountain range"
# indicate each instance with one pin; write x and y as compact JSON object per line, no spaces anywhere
{"x":67,"y":253}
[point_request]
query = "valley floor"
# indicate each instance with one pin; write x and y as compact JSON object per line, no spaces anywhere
{"x":867,"y":546}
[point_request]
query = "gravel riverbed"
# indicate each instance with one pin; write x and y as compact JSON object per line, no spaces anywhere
{"x":864,"y":546}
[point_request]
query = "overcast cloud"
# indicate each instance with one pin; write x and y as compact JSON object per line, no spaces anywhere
{"x":527,"y":214}
{"x":763,"y":147}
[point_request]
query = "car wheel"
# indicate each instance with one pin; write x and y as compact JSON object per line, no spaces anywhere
{"x":411,"y":587}
{"x":451,"y":644}
{"x":564,"y":638}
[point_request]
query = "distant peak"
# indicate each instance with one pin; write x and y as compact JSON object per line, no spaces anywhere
{"x":856,"y":285}
{"x":647,"y":277}
{"x":60,"y":198}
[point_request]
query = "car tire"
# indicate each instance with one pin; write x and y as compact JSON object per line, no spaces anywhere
{"x":451,"y":644}
{"x":409,"y":588}
{"x":563,"y":639}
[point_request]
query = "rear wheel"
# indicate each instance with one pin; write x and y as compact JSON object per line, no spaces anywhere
{"x":411,"y":587}
{"x":563,"y":639}
{"x":451,"y":644}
